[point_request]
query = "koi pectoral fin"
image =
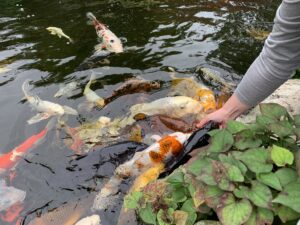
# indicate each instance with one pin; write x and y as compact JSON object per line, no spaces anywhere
{"x":38,"y":117}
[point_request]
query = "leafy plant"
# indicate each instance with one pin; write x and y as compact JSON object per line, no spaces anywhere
{"x":248,"y":175}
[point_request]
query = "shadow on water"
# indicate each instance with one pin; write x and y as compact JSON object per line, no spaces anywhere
{"x":159,"y":34}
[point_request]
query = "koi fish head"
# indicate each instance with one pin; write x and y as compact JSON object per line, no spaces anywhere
{"x":112,"y":42}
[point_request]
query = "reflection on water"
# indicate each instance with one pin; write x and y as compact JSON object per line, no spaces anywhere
{"x":159,"y":34}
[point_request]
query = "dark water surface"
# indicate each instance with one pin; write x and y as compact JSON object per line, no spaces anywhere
{"x":180,"y":34}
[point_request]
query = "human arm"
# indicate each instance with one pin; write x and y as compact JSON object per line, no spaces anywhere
{"x":275,"y":64}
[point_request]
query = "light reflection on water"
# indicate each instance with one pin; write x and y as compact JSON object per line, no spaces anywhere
{"x":180,"y":34}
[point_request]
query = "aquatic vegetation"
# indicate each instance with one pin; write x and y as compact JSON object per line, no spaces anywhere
{"x":248,"y":175}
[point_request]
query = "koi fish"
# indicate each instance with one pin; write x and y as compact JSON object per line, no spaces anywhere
{"x":149,"y":163}
{"x":213,"y":76}
{"x":167,"y":148}
{"x":92,"y":98}
{"x":109,"y":40}
{"x":191,"y":88}
{"x":59,"y":32}
{"x":66,"y":90}
{"x":46,"y":108}
{"x":10,"y":159}
{"x":133,"y":86}
{"x":177,"y":107}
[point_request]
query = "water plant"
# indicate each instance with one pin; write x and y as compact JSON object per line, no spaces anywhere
{"x":249,"y":174}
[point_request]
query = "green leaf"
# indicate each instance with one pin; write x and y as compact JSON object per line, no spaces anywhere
{"x":290,"y":196}
{"x":212,"y":195}
{"x":241,"y":192}
{"x":198,"y":165}
{"x":264,"y":216}
{"x":131,"y":200}
{"x":221,"y":141}
{"x":256,"y":160}
{"x":286,"y":175}
{"x":282,"y":129}
{"x":188,"y":206}
{"x":287,"y":214}
{"x":281,"y":156}
{"x":176,"y":177}
{"x":234,"y":126}
{"x":191,"y":219}
{"x":261,"y":216}
{"x":163,"y":217}
{"x":230,"y":160}
{"x":264,"y":121}
{"x":260,"y":195}
{"x":272,"y":110}
{"x":235,"y":213}
{"x":179,"y":194}
{"x":233,"y":173}
{"x":245,"y":143}
{"x":147,"y":215}
{"x":269,"y":179}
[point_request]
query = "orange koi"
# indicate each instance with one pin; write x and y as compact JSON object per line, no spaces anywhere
{"x":207,"y":100}
{"x":10,"y":159}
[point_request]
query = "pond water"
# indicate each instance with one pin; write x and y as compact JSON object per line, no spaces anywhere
{"x":157,"y":35}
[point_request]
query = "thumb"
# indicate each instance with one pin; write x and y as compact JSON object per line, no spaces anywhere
{"x":202,"y":122}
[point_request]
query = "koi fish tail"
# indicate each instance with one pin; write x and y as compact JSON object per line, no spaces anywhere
{"x":88,"y":85}
{"x":25,"y":88}
{"x":69,"y":110}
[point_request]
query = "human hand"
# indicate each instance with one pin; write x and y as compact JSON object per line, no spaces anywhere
{"x":220,"y":116}
{"x":231,"y":110}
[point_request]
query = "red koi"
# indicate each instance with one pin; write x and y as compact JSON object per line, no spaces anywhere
{"x":10,"y":159}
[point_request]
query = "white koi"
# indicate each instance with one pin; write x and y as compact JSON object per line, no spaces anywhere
{"x":176,"y":107}
{"x":91,"y":96}
{"x":109,"y":40}
{"x":46,"y":109}
{"x":59,"y":32}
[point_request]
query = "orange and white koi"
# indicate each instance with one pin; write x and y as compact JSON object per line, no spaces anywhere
{"x":45,"y":108}
{"x":156,"y":155}
{"x":10,"y":159}
{"x":109,"y":40}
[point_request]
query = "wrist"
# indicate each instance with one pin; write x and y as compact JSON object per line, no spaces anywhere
{"x":234,"y":108}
